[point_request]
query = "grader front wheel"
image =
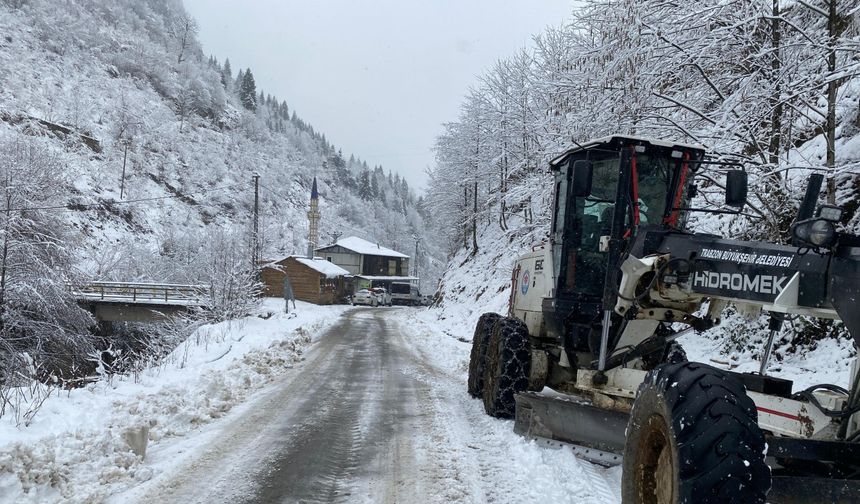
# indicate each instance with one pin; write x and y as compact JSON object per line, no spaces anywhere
{"x":693,"y":437}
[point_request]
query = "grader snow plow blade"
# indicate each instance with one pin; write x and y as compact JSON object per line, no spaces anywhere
{"x":598,"y":435}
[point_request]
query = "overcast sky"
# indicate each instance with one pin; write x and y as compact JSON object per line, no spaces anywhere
{"x":378,"y":77}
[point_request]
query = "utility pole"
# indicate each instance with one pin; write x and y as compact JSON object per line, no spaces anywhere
{"x":256,"y":245}
{"x":122,"y":179}
{"x":5,"y":253}
{"x":415,"y":259}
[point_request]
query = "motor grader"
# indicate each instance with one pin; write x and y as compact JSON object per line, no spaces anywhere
{"x":588,"y":353}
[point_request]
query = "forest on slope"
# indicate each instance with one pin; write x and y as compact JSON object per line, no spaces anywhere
{"x":770,"y":84}
{"x":127,"y":153}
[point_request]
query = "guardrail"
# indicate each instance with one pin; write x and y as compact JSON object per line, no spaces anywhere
{"x":142,"y":292}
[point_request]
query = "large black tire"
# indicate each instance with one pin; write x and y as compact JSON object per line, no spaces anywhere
{"x":507,"y":366}
{"x":478,"y":357}
{"x":693,"y":437}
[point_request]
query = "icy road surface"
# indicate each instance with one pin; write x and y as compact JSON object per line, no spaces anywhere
{"x":377,"y":412}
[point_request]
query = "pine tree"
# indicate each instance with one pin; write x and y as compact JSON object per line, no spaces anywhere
{"x":364,"y":187}
{"x":248,"y":91}
{"x":404,"y":190}
{"x":337,"y":160}
{"x":374,"y":186}
{"x":237,"y":84}
{"x":226,"y":74}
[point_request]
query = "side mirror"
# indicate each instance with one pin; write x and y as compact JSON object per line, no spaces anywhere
{"x":830,"y":213}
{"x":583,"y":171}
{"x":736,"y":188}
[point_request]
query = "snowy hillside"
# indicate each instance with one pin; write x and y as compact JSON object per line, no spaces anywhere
{"x":719,"y":74}
{"x":105,"y":85}
{"x":127,"y":154}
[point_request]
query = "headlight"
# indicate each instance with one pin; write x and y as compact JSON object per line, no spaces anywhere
{"x":821,"y":233}
{"x":816,"y":232}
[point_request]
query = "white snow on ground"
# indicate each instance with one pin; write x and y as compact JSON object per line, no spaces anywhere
{"x":829,"y":361}
{"x":483,"y":459}
{"x":74,"y":450}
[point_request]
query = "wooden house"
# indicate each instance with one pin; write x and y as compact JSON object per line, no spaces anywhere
{"x":361,"y":257}
{"x":314,"y":280}
{"x":370,"y":264}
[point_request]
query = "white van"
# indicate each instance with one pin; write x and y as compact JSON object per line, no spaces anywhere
{"x":404,"y":293}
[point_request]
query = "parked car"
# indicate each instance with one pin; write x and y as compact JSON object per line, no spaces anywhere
{"x":365,"y":297}
{"x":382,"y":295}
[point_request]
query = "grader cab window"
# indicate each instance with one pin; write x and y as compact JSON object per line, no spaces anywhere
{"x":589,"y":218}
{"x":654,"y":176}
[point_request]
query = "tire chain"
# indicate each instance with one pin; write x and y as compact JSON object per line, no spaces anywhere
{"x":478,"y":356}
{"x":507,"y":366}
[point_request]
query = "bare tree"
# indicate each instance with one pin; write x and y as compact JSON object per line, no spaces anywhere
{"x":182,"y":28}
{"x":41,"y":326}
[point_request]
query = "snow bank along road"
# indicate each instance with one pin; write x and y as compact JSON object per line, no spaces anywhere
{"x":377,"y":412}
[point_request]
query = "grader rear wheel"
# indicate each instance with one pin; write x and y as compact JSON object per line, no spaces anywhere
{"x":478,"y":357}
{"x":507,"y":366}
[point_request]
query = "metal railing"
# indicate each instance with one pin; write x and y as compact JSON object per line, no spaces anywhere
{"x":142,"y":292}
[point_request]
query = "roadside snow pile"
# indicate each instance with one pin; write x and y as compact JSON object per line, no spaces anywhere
{"x":87,"y":444}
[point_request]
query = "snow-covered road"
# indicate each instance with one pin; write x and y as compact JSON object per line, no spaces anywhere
{"x":377,"y":412}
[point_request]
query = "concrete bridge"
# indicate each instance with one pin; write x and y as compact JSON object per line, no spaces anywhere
{"x":139,"y":302}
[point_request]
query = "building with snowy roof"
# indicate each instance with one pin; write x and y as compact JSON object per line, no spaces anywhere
{"x":313,"y":280}
{"x":370,"y":263}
